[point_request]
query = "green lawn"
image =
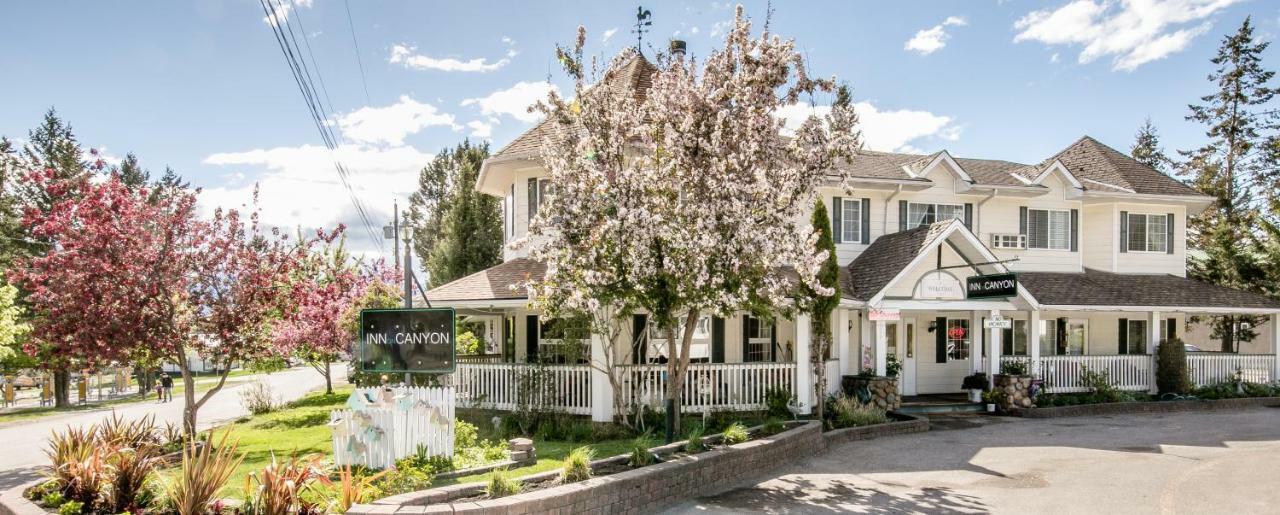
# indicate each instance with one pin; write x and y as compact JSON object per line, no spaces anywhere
{"x":551,"y":456}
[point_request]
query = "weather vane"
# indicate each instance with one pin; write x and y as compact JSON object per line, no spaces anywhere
{"x":644,"y":19}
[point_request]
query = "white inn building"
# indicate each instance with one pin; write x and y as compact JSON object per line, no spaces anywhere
{"x":1096,"y":240}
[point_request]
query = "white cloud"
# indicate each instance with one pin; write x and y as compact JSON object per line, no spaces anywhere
{"x":390,"y":124}
{"x":280,"y":11}
{"x":885,"y":130}
{"x":1133,"y":33}
{"x":930,"y":40}
{"x":1054,"y":58}
{"x":720,"y":28}
{"x":299,"y":187}
{"x":513,"y":101}
{"x":404,"y":55}
{"x":480,"y":129}
{"x":608,"y":34}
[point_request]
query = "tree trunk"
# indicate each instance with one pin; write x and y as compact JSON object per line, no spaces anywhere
{"x":328,"y":378}
{"x":61,"y":388}
{"x":189,"y":407}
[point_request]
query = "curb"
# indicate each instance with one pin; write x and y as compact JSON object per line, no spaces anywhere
{"x":1121,"y":408}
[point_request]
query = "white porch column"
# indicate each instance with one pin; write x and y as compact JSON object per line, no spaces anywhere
{"x":1275,"y":346}
{"x":601,"y":388}
{"x":804,"y":366}
{"x":865,"y":343}
{"x":882,"y":347}
{"x":1033,"y":328}
{"x":975,"y":342}
{"x":993,"y":353}
{"x":844,"y":353}
{"x":1153,"y":339}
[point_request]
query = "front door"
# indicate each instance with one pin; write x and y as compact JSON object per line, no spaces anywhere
{"x":907,"y":377}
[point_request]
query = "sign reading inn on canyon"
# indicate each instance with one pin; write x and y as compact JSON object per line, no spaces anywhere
{"x":408,"y":340}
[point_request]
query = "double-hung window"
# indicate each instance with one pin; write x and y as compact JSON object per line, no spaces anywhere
{"x":758,"y":340}
{"x":699,"y":351}
{"x":1049,"y":229}
{"x":1147,"y":233}
{"x":923,"y":214}
{"x":957,"y":339}
{"x":851,"y":220}
{"x":539,"y":189}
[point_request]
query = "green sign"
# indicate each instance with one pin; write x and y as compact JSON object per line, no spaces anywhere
{"x":408,"y":340}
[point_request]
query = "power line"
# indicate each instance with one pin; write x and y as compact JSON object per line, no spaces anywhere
{"x":287,"y":40}
{"x":356,"y":44}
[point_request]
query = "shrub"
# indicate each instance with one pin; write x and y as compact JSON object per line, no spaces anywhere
{"x":848,"y":412}
{"x":1171,"y":368}
{"x":640,"y":454}
{"x":977,"y":381}
{"x":130,"y":469}
{"x":71,"y":446}
{"x":776,"y":400}
{"x":501,"y":484}
{"x":53,"y":499}
{"x":773,"y":426}
{"x":468,"y":343}
{"x":1015,"y":367}
{"x":139,"y":433}
{"x":735,"y":433}
{"x":405,"y":479}
{"x":258,"y":398}
{"x":71,"y":508}
{"x":353,"y":489}
{"x":465,"y":434}
{"x":85,"y":478}
{"x":892,"y":367}
{"x":695,"y":443}
{"x":577,"y":466}
{"x":205,"y":469}
{"x":1100,"y":388}
{"x":278,"y":488}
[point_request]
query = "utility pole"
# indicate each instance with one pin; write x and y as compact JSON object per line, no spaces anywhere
{"x":408,"y":269}
{"x":395,"y":230}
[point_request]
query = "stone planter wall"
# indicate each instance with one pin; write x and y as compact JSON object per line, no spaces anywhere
{"x":1119,"y":408}
{"x":1016,"y":390}
{"x":884,"y":390}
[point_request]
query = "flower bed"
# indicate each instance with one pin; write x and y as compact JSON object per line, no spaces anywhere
{"x":618,"y":486}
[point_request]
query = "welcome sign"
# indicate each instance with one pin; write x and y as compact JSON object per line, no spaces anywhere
{"x":992,"y":286}
{"x":408,"y":340}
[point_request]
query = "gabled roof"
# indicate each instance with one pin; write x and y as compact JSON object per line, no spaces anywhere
{"x":501,"y":282}
{"x":1098,"y":288}
{"x":636,"y":75}
{"x":872,"y":270}
{"x":1103,"y":168}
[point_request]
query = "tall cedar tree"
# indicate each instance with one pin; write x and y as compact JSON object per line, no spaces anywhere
{"x":1147,"y":150}
{"x":457,"y":230}
{"x":1232,"y":168}
{"x":821,"y":306}
{"x":52,"y":146}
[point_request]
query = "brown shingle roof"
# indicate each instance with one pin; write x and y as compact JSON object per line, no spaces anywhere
{"x":636,"y":75}
{"x":1098,"y":288}
{"x":888,"y":255}
{"x":495,"y":283}
{"x":1088,"y":158}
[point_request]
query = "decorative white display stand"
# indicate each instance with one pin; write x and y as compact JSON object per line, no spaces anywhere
{"x":384,"y":424}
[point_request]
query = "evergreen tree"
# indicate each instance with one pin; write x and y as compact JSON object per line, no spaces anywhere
{"x":1230,"y":168}
{"x":51,"y":146}
{"x":1146,"y":148}
{"x":13,"y":241}
{"x":457,"y":230}
{"x":820,"y":307}
{"x":131,"y":173}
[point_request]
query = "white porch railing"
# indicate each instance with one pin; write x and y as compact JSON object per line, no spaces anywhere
{"x":500,"y":386}
{"x":1065,"y":374}
{"x":709,"y":386}
{"x":1210,"y":367}
{"x":480,"y":358}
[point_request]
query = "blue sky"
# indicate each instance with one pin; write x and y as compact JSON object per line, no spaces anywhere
{"x":202,"y":87}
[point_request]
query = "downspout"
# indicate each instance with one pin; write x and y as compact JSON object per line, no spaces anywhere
{"x":888,"y":201}
{"x":977,"y":226}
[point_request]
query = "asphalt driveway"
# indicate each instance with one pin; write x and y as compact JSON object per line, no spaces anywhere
{"x":1227,"y":462}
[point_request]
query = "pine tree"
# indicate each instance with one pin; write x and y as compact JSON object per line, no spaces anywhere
{"x":131,"y":173}
{"x":1230,"y":168}
{"x":51,"y":146}
{"x":457,"y":230}
{"x":1146,"y":148}
{"x":820,"y":307}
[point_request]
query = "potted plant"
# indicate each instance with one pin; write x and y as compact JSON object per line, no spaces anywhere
{"x":993,"y":399}
{"x":976,"y":383}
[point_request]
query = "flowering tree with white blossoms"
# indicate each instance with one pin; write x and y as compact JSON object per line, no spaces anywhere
{"x":685,"y":201}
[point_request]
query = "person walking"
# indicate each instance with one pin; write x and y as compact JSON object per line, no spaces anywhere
{"x":159,"y":392}
{"x":167,"y":382}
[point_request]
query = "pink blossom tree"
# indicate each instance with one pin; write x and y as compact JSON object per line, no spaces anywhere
{"x":688,"y":201}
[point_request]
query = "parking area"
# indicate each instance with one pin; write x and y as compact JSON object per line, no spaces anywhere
{"x":1213,"y":462}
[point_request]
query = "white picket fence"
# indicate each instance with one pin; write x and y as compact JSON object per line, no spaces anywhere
{"x":502,"y":386}
{"x":1065,"y":374}
{"x":1207,"y":368}
{"x":377,"y":434}
{"x":709,"y":386}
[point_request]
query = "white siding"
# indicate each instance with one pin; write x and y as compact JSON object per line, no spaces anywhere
{"x":1098,"y":238}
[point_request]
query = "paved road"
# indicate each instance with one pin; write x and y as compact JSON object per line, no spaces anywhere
{"x":1225,"y":462}
{"x":22,"y":444}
